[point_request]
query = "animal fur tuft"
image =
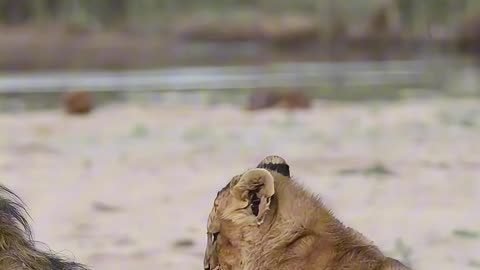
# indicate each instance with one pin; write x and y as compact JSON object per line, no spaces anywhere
{"x":275,"y":164}
{"x":17,"y":247}
{"x":12,"y":211}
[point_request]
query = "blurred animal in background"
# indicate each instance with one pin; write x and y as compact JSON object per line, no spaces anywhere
{"x":265,"y":220}
{"x":17,"y":247}
{"x":291,"y":99}
{"x":468,"y":37}
{"x":78,"y":102}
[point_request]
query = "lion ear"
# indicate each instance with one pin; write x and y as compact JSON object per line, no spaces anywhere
{"x":254,"y":189}
{"x":275,"y":164}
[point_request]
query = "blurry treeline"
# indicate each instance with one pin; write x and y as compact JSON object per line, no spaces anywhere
{"x":124,"y":34}
{"x":152,"y":14}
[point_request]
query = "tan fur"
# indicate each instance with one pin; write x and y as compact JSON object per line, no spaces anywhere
{"x":297,"y":231}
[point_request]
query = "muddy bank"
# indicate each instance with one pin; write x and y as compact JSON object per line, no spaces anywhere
{"x":222,"y":41}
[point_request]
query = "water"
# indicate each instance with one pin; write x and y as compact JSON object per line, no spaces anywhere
{"x":289,"y":74}
{"x":333,"y":80}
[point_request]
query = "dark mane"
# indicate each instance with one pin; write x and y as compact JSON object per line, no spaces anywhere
{"x":17,"y":246}
{"x":12,"y":211}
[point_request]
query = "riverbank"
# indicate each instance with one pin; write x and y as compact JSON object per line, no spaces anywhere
{"x":217,"y":40}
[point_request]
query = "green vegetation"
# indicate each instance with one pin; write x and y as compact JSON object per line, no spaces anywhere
{"x":474,"y":264}
{"x":140,"y":131}
{"x":404,"y":251}
{"x":468,"y":234}
{"x":375,"y":169}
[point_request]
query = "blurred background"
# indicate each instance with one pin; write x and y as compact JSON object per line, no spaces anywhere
{"x":122,"y":119}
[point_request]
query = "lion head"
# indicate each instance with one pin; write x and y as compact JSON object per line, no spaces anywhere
{"x":238,"y":209}
{"x":263,"y":220}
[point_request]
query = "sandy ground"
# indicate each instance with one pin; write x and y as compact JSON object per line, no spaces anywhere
{"x":130,"y":186}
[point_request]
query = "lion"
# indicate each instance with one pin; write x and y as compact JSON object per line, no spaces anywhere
{"x":262,"y":219}
{"x":17,"y":247}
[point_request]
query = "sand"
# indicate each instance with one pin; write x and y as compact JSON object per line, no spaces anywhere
{"x":130,"y":186}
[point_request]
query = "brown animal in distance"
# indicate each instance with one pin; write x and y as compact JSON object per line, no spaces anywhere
{"x":17,"y":247}
{"x":78,"y":102}
{"x":264,"y":220}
